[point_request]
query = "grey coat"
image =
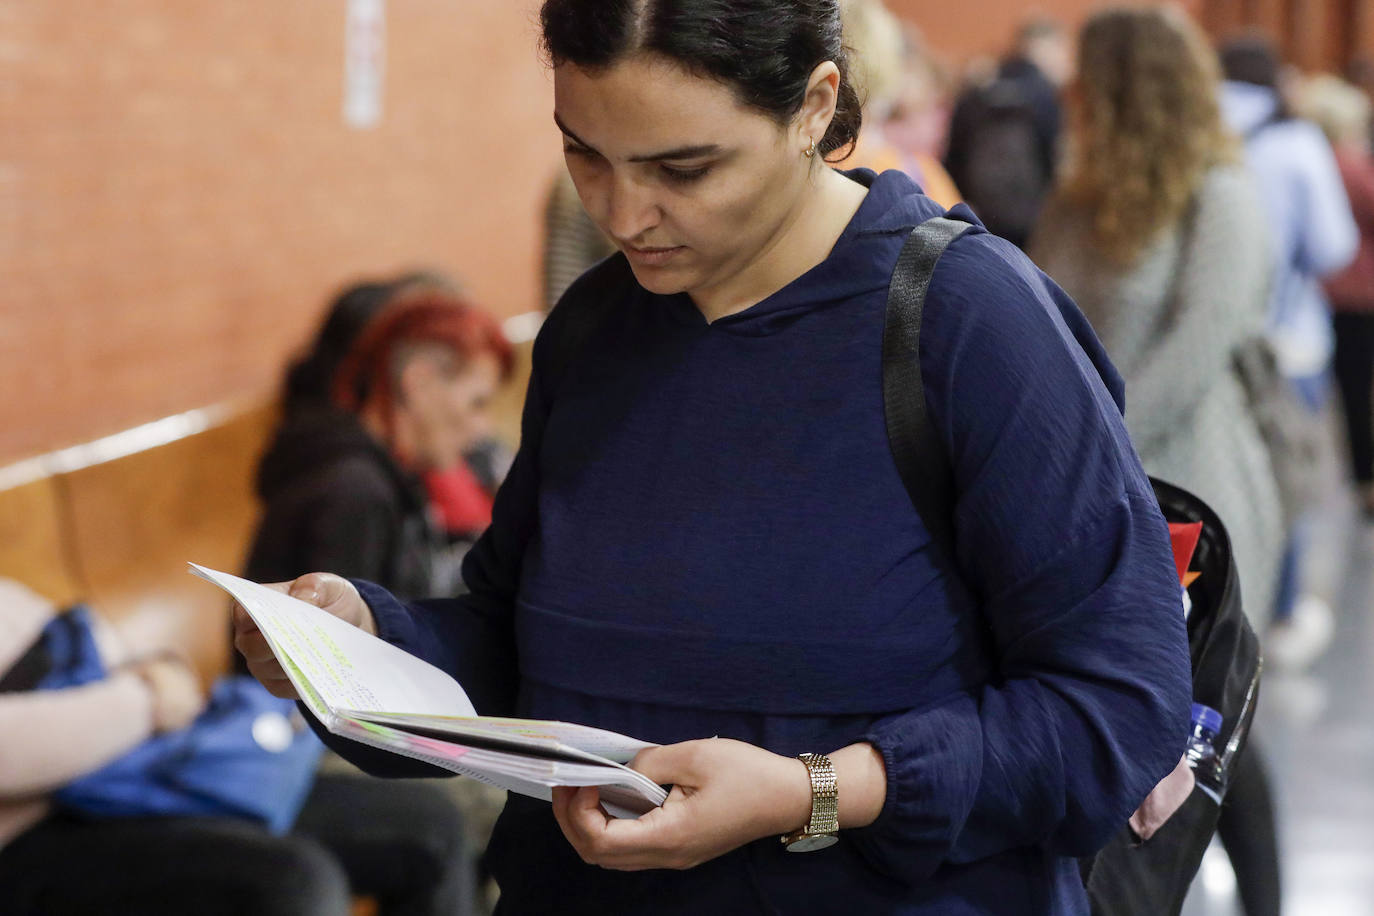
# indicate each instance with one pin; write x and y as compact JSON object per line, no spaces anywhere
{"x":1171,"y":323}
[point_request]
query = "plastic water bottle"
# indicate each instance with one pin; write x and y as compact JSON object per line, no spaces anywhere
{"x":1202,"y":751}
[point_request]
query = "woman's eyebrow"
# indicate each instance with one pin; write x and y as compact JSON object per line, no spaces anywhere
{"x":569,"y":134}
{"x":681,"y":152}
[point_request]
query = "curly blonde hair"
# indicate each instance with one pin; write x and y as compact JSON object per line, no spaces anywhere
{"x":1148,"y":125}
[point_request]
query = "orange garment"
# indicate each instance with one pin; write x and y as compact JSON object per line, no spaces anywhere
{"x":874,"y":152}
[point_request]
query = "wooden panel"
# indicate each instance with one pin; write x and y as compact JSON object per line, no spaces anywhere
{"x":960,"y":31}
{"x":138,"y":520}
{"x":1362,"y":29}
{"x":179,"y":193}
{"x":1273,"y":18}
{"x":31,"y":541}
{"x":1318,"y":29}
{"x":1222,"y":17}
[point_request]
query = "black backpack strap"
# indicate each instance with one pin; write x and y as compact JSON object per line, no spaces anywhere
{"x":922,"y":460}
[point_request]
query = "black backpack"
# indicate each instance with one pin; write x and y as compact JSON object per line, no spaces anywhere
{"x":1127,"y":877}
{"x":1001,"y":169}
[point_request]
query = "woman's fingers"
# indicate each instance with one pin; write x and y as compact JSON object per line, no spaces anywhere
{"x":257,"y":654}
{"x":336,"y":595}
{"x":248,"y":639}
{"x":579,"y":834}
{"x":671,"y":764}
{"x":327,"y":591}
{"x":654,"y":840}
{"x":725,"y":793}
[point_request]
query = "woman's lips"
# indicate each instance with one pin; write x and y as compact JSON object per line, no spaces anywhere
{"x":652,"y":257}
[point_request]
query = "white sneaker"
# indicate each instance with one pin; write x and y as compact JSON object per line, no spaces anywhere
{"x":1296,"y":643}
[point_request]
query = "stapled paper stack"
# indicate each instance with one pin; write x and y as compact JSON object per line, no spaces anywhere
{"x":363,"y":688}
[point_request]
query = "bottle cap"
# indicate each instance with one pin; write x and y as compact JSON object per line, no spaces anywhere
{"x":1207,"y":717}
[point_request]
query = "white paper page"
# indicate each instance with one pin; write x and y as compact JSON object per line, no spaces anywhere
{"x":583,"y":741}
{"x":347,"y":667}
{"x":627,"y":793}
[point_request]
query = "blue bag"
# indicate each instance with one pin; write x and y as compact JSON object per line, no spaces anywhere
{"x":243,"y":756}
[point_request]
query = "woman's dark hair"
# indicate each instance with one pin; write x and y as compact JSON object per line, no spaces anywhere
{"x":310,"y":379}
{"x":762,"y":49}
{"x":1253,"y":59}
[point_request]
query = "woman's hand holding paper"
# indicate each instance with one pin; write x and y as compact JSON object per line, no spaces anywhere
{"x":327,"y":591}
{"x":725,"y":793}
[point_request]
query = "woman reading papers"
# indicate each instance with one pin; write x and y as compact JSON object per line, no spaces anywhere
{"x":704,"y":541}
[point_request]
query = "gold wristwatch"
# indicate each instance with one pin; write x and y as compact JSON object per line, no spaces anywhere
{"x":821,"y":830}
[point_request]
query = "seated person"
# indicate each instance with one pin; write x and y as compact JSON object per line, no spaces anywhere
{"x":400,"y":843}
{"x":164,"y":865}
{"x":395,"y":386}
{"x":342,"y":481}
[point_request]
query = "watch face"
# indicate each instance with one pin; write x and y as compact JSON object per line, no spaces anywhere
{"x":812,"y":842}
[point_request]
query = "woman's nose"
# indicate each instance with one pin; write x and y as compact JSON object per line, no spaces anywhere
{"x":631,"y":210}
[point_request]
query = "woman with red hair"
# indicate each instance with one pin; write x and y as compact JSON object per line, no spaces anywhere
{"x":394,"y":388}
{"x":343,"y":482}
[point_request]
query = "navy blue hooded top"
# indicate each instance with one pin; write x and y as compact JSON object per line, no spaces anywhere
{"x":704,"y":533}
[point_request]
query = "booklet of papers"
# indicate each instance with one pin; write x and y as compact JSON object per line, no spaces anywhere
{"x":366,"y":689}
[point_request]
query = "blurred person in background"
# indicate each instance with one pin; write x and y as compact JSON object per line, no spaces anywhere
{"x":460,"y":496}
{"x":918,"y":121}
{"x":1314,"y":235}
{"x":57,"y":863}
{"x":1343,"y":113}
{"x":395,"y":387}
{"x":341,"y":481}
{"x":1157,"y":232}
{"x":887,"y":69}
{"x":1004,"y":134}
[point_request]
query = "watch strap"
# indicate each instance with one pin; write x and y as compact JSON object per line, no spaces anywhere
{"x":823,"y":825}
{"x":825,"y":795}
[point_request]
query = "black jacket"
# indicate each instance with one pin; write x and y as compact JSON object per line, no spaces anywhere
{"x":335,"y":501}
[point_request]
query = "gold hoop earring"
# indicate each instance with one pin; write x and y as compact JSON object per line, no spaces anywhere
{"x":810,"y":150}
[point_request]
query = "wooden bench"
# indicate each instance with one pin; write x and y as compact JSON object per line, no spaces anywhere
{"x":114,"y":522}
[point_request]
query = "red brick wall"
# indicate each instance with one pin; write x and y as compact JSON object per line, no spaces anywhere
{"x":963,"y":30}
{"x":986,"y":26}
{"x":1316,"y":34}
{"x":179,"y":193}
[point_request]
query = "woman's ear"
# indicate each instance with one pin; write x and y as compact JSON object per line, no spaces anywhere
{"x":818,"y":105}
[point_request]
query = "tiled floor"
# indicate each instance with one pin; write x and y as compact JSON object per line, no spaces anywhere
{"x":1317,"y":732}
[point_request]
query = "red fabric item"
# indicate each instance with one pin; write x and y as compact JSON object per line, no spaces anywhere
{"x":1352,"y":290}
{"x":1183,"y":537}
{"x":460,"y":501}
